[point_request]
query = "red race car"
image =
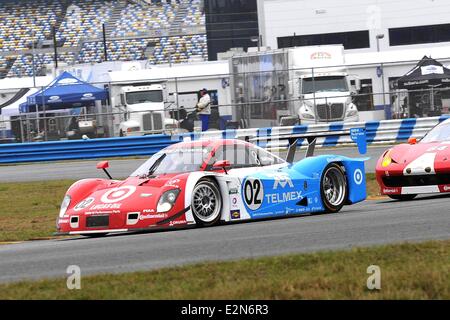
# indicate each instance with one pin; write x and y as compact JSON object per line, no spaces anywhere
{"x":407,"y":170}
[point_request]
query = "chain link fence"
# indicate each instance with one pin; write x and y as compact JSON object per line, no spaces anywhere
{"x":248,"y":98}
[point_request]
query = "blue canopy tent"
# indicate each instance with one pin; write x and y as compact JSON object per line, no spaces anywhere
{"x":65,"y":92}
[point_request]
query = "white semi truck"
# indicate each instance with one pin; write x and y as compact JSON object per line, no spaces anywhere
{"x":301,"y":84}
{"x":141,"y":109}
{"x":321,"y":85}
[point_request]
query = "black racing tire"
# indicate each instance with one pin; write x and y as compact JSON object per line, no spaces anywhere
{"x":333,"y":188}
{"x":206,"y":202}
{"x":402,"y":197}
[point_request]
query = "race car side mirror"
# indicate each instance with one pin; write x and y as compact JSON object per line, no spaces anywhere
{"x":412,"y":140}
{"x":223,"y":164}
{"x":104,"y":165}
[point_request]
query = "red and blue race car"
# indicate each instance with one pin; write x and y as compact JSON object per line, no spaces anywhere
{"x":211,"y":181}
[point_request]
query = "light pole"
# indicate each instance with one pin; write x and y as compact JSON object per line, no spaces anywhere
{"x":255,"y":39}
{"x":34,"y":79}
{"x":32,"y":60}
{"x":379,"y":37}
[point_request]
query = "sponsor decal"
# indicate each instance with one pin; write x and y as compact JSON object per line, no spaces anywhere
{"x":83,"y":204}
{"x":289,"y":210}
{"x":148,"y":210}
{"x":118,"y":194}
{"x":234,"y":201}
{"x":358,"y":176}
{"x":173,"y":182}
{"x":320,"y":55}
{"x":106,"y":206}
{"x":87,"y":96}
{"x":283,"y":197}
{"x":233,"y":191}
{"x":235,"y":214}
{"x":391,"y":190}
{"x":281,"y":180}
{"x":177,"y":222}
{"x":94,"y":213}
{"x":53,"y":98}
{"x":411,"y":83}
{"x":63,"y":221}
{"x":253,"y":193}
{"x":445,"y":188}
{"x":153,"y":216}
{"x":432,"y":69}
{"x":67,"y":81}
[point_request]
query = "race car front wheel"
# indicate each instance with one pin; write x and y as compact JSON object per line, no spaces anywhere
{"x":333,"y":188}
{"x":402,"y":197}
{"x":206,"y":202}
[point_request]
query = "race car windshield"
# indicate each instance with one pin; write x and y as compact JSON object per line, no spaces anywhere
{"x":173,"y":161}
{"x":144,"y":96}
{"x":323,"y":84}
{"x":438,"y":134}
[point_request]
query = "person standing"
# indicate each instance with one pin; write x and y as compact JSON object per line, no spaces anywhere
{"x":204,"y":109}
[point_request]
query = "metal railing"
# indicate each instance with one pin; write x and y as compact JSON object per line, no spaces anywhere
{"x":261,"y":99}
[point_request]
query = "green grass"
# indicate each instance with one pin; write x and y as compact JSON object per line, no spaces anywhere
{"x":29,"y":210}
{"x":408,"y":271}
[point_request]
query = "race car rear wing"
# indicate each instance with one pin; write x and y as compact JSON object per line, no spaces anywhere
{"x":357,"y":135}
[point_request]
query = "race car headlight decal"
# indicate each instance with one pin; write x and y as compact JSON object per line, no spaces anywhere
{"x":64,"y":205}
{"x":387,"y":160}
{"x":167,"y":200}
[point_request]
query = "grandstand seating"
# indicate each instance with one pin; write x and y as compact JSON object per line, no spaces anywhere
{"x":84,"y":19}
{"x":21,"y":19}
{"x":23,"y":65}
{"x":136,"y":19}
{"x":194,"y":16}
{"x":79,"y":22}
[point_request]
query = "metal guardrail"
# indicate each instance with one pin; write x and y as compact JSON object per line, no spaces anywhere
{"x":84,"y":149}
{"x":386,"y":131}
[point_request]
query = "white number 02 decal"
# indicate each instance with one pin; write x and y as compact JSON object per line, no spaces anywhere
{"x":253,"y":193}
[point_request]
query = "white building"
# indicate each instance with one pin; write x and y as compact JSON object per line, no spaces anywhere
{"x":404,"y":24}
{"x":377,"y":35}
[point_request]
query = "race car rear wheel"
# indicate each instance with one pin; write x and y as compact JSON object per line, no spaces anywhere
{"x":206,"y":202}
{"x":333,"y":188}
{"x":402,"y":197}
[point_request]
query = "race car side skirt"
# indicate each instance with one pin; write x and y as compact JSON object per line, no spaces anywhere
{"x":176,"y":215}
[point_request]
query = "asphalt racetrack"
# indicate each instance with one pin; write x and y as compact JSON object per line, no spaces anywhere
{"x":364,"y":224}
{"x":76,"y":170}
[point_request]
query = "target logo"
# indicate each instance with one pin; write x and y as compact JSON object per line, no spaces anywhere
{"x":358,"y":176}
{"x":118,"y":194}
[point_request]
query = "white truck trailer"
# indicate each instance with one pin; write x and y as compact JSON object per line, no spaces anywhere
{"x":310,"y":83}
{"x":321,"y":84}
